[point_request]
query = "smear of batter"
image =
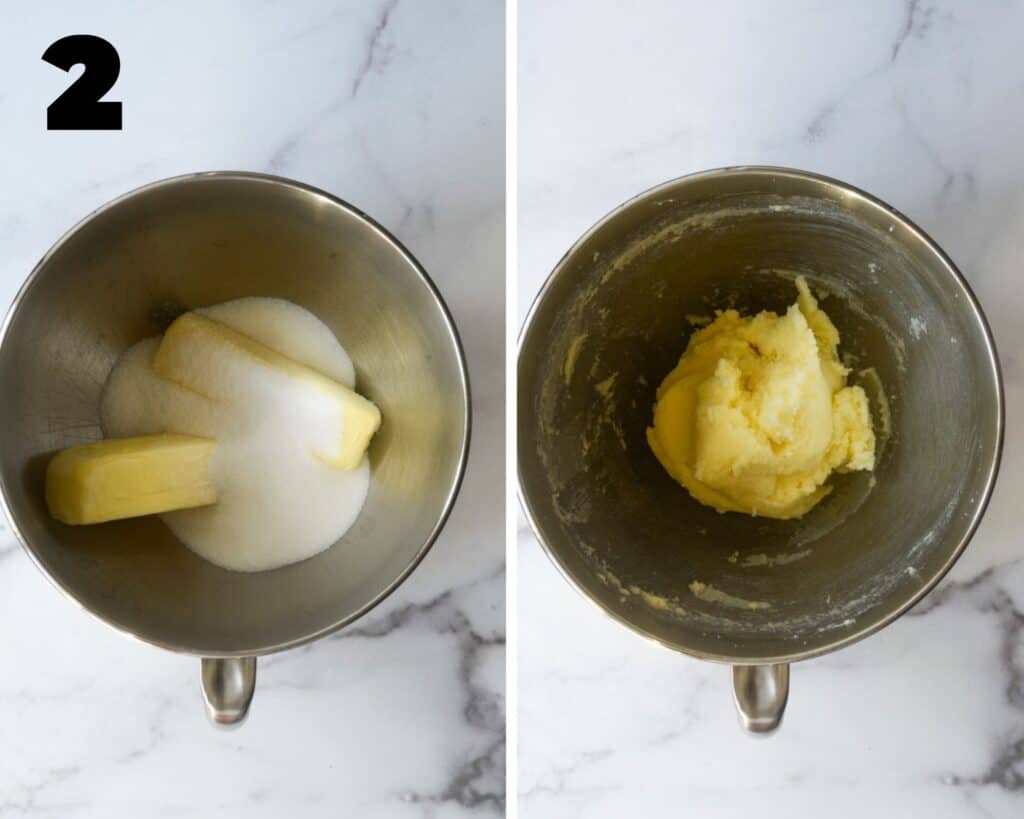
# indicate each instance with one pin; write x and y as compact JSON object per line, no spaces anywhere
{"x":569,"y":365}
{"x":709,"y":594}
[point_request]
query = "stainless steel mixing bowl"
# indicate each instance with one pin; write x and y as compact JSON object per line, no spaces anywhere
{"x":197,"y":240}
{"x":758,"y":594}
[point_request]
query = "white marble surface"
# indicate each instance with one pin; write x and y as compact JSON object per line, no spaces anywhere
{"x":399,"y":108}
{"x":922,"y":103}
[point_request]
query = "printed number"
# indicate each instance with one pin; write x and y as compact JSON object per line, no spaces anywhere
{"x":79,"y":108}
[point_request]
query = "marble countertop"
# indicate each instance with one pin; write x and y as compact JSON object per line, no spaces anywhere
{"x":398,"y":107}
{"x":922,"y":103}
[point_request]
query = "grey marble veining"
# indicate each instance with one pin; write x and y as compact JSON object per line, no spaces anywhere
{"x":397,"y":107}
{"x":922,"y":103}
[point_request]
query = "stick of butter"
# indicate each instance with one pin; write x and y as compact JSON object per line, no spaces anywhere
{"x":224,"y":365}
{"x":128,"y":477}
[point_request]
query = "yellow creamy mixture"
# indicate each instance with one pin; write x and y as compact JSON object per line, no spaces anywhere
{"x":757,"y":414}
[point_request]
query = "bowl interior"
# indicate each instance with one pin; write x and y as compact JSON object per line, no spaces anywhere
{"x":612,"y":323}
{"x":198,"y":241}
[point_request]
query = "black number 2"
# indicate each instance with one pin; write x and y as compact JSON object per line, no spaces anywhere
{"x":79,"y":108}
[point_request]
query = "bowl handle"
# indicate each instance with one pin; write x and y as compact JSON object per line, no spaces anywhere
{"x":228,"y":685}
{"x":760,"y":692}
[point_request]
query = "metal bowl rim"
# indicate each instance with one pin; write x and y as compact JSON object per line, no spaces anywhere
{"x":374,"y":227}
{"x":993,"y":358}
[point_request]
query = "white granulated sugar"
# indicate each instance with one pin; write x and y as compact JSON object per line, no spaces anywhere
{"x":277,"y":503}
{"x":291,"y":330}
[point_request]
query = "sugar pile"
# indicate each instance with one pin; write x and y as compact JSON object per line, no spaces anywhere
{"x":277,"y":503}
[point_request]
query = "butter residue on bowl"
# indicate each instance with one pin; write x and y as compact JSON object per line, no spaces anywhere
{"x":710,"y":594}
{"x":757,"y":414}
